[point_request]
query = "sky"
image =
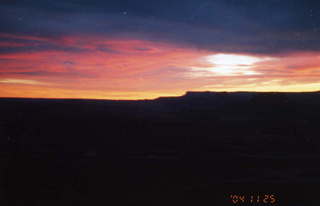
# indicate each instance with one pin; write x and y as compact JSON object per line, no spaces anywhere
{"x":143,"y":49}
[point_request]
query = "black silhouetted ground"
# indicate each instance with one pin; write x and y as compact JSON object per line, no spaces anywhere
{"x":191,"y":150}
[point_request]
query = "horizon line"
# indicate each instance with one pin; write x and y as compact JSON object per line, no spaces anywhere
{"x":151,"y":99}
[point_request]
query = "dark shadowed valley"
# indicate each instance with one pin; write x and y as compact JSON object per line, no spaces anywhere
{"x":168,"y":151}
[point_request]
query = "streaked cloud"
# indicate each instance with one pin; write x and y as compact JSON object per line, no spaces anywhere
{"x":20,"y":81}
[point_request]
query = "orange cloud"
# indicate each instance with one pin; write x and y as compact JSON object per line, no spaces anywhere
{"x":101,"y":67}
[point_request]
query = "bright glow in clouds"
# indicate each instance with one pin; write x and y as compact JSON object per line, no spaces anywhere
{"x":231,"y":64}
{"x":110,"y":68}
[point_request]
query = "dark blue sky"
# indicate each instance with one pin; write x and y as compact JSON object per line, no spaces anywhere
{"x":250,"y":26}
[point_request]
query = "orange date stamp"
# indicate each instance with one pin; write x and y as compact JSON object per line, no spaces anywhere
{"x":261,"y":198}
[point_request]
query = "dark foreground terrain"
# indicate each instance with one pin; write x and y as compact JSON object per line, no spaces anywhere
{"x":197,"y":149}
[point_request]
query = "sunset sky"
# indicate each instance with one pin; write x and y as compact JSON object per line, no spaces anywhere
{"x":143,"y":49}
